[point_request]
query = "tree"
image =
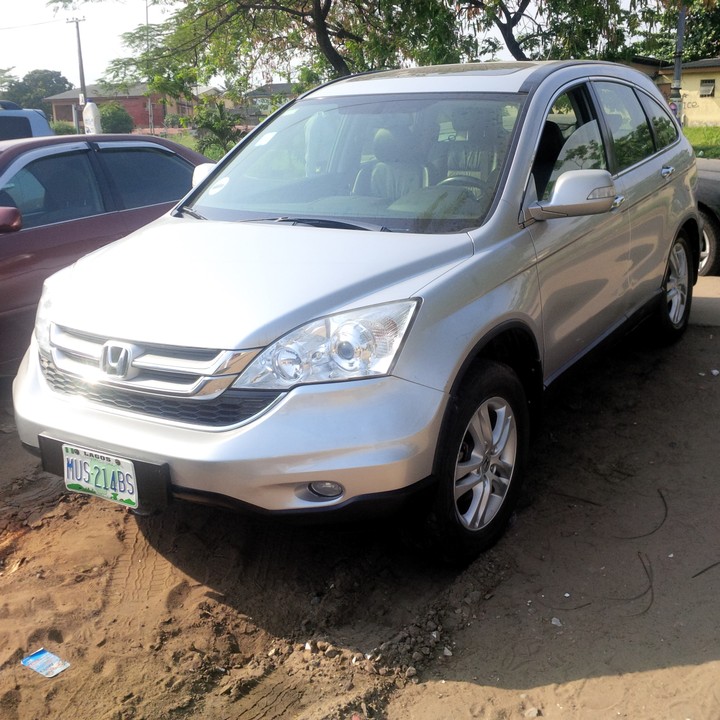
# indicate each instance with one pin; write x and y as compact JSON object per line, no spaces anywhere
{"x":31,"y":91}
{"x":240,"y":41}
{"x":556,"y":29}
{"x":217,"y":129}
{"x":6,"y":78}
{"x":114,"y":118}
{"x":702,"y":32}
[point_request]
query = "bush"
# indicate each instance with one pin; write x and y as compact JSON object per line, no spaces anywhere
{"x":63,"y":127}
{"x":115,"y":118}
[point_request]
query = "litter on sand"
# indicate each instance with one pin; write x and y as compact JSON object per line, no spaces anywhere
{"x":44,"y":662}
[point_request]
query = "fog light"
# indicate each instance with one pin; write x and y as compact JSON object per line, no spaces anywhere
{"x":326,"y":489}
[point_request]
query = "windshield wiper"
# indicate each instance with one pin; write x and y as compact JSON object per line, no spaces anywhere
{"x":322,"y":223}
{"x":187,"y":210}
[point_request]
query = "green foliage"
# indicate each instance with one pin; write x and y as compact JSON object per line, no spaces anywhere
{"x":6,"y":77}
{"x":171,"y":120}
{"x":188,"y":140}
{"x":62,"y":127}
{"x":31,"y":91}
{"x":702,"y":32}
{"x":705,"y":140}
{"x":115,"y":118}
{"x":217,"y":129}
{"x":239,"y":41}
{"x":307,"y":78}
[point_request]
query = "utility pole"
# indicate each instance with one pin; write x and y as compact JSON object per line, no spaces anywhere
{"x":676,"y":103}
{"x":83,"y":97}
{"x":83,"y":91}
{"x":151,"y":118}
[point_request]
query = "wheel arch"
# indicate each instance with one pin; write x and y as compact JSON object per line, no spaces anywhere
{"x":691,"y":230}
{"x":512,"y":344}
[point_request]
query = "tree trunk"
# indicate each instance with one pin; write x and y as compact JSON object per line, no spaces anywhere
{"x":320,"y":11}
{"x":510,"y":42}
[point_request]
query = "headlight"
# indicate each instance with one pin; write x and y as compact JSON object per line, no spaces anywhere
{"x":357,"y":344}
{"x":42,"y":321}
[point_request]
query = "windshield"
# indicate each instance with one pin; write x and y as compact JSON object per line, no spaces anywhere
{"x":410,"y":163}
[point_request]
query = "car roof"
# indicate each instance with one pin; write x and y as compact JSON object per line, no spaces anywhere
{"x":13,"y":148}
{"x":501,"y":77}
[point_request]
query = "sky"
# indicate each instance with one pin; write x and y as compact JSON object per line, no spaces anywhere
{"x":34,"y":36}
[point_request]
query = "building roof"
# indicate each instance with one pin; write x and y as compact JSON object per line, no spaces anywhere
{"x":650,"y":61}
{"x":96,"y":91}
{"x":271,"y":90}
{"x":700,"y":64}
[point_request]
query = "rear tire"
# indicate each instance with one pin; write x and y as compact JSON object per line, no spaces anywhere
{"x":480,"y":463}
{"x":674,"y":310}
{"x":709,"y":258}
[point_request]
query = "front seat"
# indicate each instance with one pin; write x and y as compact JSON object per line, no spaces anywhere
{"x":480,"y":149}
{"x":396,"y":171}
{"x":551,"y":142}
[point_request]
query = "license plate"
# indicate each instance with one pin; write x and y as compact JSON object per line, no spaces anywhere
{"x":97,"y":473}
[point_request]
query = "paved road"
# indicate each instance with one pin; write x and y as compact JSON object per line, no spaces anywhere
{"x":706,"y":302}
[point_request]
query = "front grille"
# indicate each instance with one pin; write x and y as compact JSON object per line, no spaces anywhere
{"x":175,"y":384}
{"x":230,"y":408}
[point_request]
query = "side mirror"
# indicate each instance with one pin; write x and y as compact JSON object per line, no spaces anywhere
{"x":10,"y":220}
{"x":576,"y":193}
{"x":201,"y":172}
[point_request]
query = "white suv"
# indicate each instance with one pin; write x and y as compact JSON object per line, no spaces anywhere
{"x":368,"y":296}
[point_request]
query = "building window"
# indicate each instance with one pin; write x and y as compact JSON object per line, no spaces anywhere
{"x":707,"y":88}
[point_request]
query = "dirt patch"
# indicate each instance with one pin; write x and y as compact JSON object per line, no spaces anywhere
{"x":599,"y":602}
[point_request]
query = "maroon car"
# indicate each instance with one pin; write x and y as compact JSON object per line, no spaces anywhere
{"x":74,"y":193}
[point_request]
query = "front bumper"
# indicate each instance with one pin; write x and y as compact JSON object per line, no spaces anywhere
{"x":374,"y":437}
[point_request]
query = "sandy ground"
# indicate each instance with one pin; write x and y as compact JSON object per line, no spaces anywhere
{"x":600,"y":602}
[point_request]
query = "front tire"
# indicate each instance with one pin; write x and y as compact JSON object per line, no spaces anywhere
{"x":480,"y":463}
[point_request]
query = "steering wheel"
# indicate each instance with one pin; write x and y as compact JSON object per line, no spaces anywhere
{"x":467,"y":181}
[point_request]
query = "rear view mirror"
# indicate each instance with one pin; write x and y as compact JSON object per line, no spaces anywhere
{"x":201,"y":172}
{"x":10,"y":219}
{"x":576,"y":193}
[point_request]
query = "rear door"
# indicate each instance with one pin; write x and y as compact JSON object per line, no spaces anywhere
{"x":651,"y":168}
{"x":145,"y":179}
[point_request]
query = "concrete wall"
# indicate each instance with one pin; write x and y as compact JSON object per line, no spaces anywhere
{"x":697,"y":110}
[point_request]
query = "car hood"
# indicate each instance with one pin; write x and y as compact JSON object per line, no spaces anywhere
{"x":222,"y":285}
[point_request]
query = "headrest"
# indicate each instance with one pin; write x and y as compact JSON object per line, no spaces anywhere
{"x":392,"y":145}
{"x":477,"y":120}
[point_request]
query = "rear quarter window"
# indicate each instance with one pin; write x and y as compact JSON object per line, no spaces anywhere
{"x":14,"y":127}
{"x":666,"y":132}
{"x":145,"y":176}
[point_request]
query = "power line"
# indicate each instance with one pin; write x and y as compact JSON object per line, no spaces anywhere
{"x":30,"y":25}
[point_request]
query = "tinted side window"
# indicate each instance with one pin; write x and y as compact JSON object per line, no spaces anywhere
{"x":14,"y":127}
{"x":665,"y":129}
{"x":570,"y":140}
{"x":54,"y":189}
{"x":627,"y":123}
{"x":145,"y":176}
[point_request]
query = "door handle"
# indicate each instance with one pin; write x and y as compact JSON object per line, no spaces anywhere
{"x":667,"y":171}
{"x":617,"y":202}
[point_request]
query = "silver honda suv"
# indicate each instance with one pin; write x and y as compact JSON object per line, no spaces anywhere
{"x":368,"y":296}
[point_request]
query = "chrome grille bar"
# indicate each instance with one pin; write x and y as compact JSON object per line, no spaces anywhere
{"x":155,"y":369}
